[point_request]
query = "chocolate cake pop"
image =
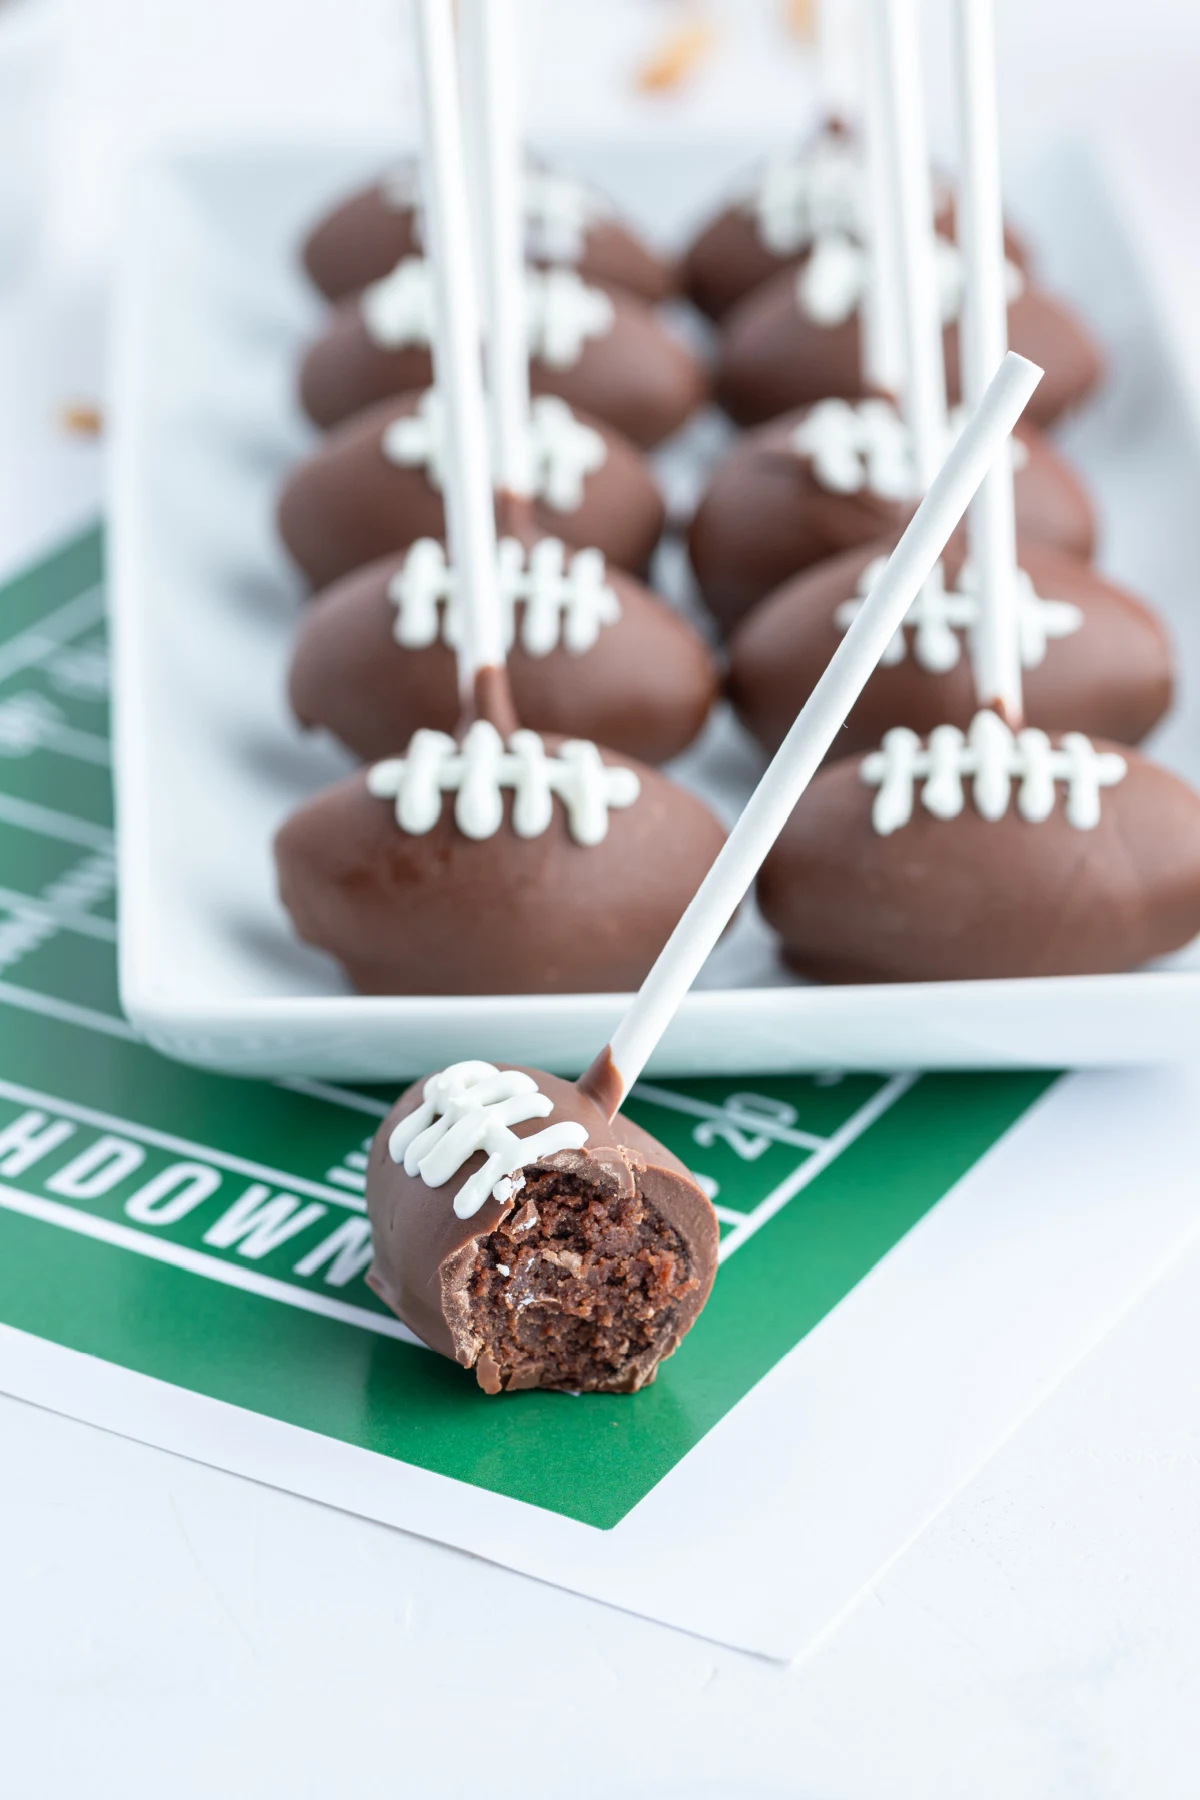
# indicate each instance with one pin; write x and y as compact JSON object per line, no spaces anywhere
{"x":520,"y":1226}
{"x":797,"y":339}
{"x":1094,"y":658}
{"x":823,"y":481}
{"x":919,"y":861}
{"x":566,"y":222}
{"x":590,"y":652}
{"x":375,"y":486}
{"x":576,"y":1253}
{"x":597,"y":348}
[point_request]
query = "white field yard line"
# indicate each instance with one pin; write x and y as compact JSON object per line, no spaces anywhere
{"x":176,"y":1146}
{"x":46,"y":821}
{"x":761,"y":1124}
{"x":65,"y":918}
{"x":337,"y":1096}
{"x":29,"y":647}
{"x":29,"y":1000}
{"x":832,"y":1148}
{"x":195,"y":1262}
{"x":66,"y":740}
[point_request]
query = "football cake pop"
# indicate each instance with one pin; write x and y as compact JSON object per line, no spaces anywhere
{"x":520,"y":1225}
{"x":1000,"y":850}
{"x":566,"y":224}
{"x":1094,"y":660}
{"x":498,"y":861}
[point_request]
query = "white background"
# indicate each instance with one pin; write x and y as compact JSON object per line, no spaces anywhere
{"x":168,"y":1630}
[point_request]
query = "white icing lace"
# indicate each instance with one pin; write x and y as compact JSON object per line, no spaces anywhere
{"x":478,"y":770}
{"x":804,"y":195}
{"x":939,"y":615}
{"x":562,"y":312}
{"x":567,"y":602}
{"x":832,"y":283}
{"x":558,"y":210}
{"x":472,"y":1107}
{"x":991,"y":758}
{"x":856,"y":445}
{"x":563,"y":451}
{"x":866,"y":444}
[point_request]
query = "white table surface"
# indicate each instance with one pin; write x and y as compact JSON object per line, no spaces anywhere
{"x":165,"y":1629}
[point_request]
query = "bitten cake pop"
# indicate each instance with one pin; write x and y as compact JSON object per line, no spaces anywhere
{"x":375,"y":486}
{"x":520,"y":1225}
{"x":499,"y":861}
{"x":591,"y":653}
{"x":599,"y":349}
{"x":1093,"y":659}
{"x":1001,"y":850}
{"x":565,"y":223}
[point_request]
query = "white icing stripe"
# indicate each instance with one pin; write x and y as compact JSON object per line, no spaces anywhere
{"x":479,"y":770}
{"x":804,"y":196}
{"x":940,"y":614}
{"x":991,"y":758}
{"x":562,"y":313}
{"x":563,"y":451}
{"x":832,"y":284}
{"x":559,"y":211}
{"x":865,"y":445}
{"x":561,"y":602}
{"x":472,"y":1107}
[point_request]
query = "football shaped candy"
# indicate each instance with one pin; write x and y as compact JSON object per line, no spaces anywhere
{"x":591,"y":652}
{"x":821,"y":481}
{"x":797,"y":340}
{"x":985,"y":855}
{"x":1094,"y":659}
{"x":600,"y":350}
{"x":521,"y":1233}
{"x":375,"y":485}
{"x":490,"y":866}
{"x":364,"y":237}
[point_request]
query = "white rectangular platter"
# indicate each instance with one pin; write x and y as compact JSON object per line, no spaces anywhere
{"x":211,"y":314}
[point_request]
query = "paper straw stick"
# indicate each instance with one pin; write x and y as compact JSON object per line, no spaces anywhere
{"x":802,"y":751}
{"x":912,"y":203}
{"x":489,"y":36}
{"x":883,"y":323}
{"x":456,"y":347}
{"x":996,"y":650}
{"x":838,"y":86}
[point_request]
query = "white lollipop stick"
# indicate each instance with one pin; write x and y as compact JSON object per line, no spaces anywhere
{"x":806,"y":744}
{"x":456,"y":353}
{"x":883,"y":323}
{"x":837,"y":59}
{"x":489,"y":30}
{"x":912,"y":204}
{"x":984,"y":340}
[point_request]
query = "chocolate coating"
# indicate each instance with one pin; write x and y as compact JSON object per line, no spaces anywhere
{"x":962,"y":899}
{"x":644,"y":688}
{"x":1110,"y":679}
{"x":425,"y":1256}
{"x":442,"y":913}
{"x":772,"y":357}
{"x":365,"y":236}
{"x":637,"y":377}
{"x":764,"y":516}
{"x":348,"y":505}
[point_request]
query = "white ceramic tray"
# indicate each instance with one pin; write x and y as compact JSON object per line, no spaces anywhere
{"x":211,"y":312}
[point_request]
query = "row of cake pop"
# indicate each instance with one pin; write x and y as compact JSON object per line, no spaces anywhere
{"x":592,"y":650}
{"x":785,"y":540}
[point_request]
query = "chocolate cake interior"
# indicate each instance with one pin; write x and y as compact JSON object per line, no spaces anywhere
{"x":578,"y":1289}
